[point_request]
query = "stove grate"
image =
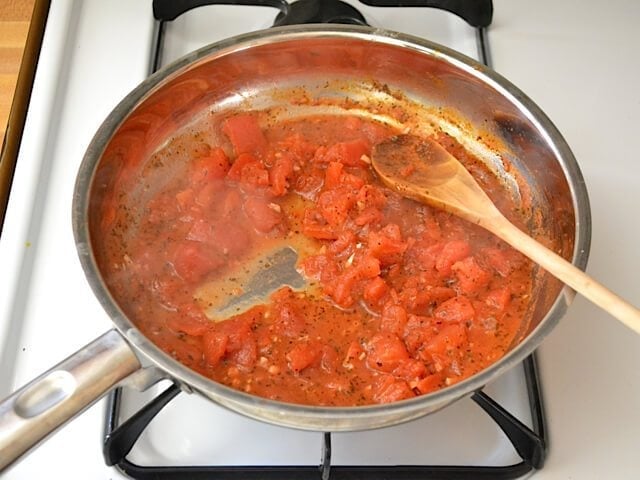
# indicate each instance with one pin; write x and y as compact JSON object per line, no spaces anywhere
{"x":529,"y":443}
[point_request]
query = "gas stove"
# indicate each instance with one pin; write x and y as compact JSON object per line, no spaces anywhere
{"x":95,"y":52}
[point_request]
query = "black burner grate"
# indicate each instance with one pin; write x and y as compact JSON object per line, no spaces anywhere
{"x":530,"y":444}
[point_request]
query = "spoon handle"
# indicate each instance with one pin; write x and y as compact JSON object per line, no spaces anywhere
{"x":565,"y":271}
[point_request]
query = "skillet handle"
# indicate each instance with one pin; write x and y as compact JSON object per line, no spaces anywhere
{"x":46,"y":403}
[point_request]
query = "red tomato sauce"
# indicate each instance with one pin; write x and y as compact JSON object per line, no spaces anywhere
{"x":405,"y":299}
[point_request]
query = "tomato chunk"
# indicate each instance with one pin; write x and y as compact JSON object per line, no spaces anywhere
{"x":211,"y":167}
{"x":472,"y":278}
{"x":394,"y":319}
{"x":451,"y":337}
{"x":333,"y":174}
{"x":195,"y":327}
{"x":280,"y":174}
{"x":264,"y":215}
{"x":375,"y":290}
{"x":451,"y":253}
{"x":334,"y":205}
{"x":499,"y":299}
{"x":214,"y":347}
{"x":349,"y":153}
{"x":385,"y":351}
{"x":193,"y":260}
{"x":388,"y":389}
{"x":429,"y":383}
{"x":303,"y":355}
{"x":289,"y":320}
{"x":245,"y":134}
{"x":387,"y":244}
{"x":456,"y":309}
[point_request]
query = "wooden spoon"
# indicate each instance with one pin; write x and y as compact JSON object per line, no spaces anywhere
{"x":421,"y":169}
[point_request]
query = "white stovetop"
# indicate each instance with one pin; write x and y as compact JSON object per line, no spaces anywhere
{"x":581,"y":67}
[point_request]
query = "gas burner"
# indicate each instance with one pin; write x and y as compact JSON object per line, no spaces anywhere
{"x":320,"y":11}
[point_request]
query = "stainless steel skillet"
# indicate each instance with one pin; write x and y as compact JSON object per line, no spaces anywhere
{"x":296,"y":71}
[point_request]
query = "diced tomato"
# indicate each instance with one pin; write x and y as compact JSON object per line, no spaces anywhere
{"x":193,"y":260}
{"x":451,"y":253}
{"x":351,"y":180}
{"x":410,"y":369}
{"x":196,"y":327}
{"x":214,"y":344}
{"x":387,"y":245}
{"x":425,"y":254}
{"x":348,"y":153}
{"x":375,"y":290}
{"x":289,"y":321}
{"x":298,"y":146}
{"x":245,"y":357}
{"x":315,"y":226}
{"x":210,"y":167}
{"x":262,"y":214}
{"x":368,"y":267}
{"x":393,"y":319}
{"x":342,"y":288}
{"x":428,"y":383}
{"x":369,"y":215}
{"x":499,"y":298}
{"x":387,"y":389}
{"x":329,"y":359}
{"x":385,"y":351}
{"x":418,"y":321}
{"x":238,"y":329}
{"x":450,"y":338}
{"x":417,"y":332}
{"x":254,"y":174}
{"x":242,"y":160}
{"x":319,"y":231}
{"x":472,"y":278}
{"x":333,"y":174}
{"x":344,"y":243}
{"x":303,"y":355}
{"x":245,"y":134}
{"x":421,"y":299}
{"x":334,"y":205}
{"x":371,"y":196}
{"x":504,"y":262}
{"x":353,"y":353}
{"x":318,"y":267}
{"x":280,"y":173}
{"x":456,"y":309}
